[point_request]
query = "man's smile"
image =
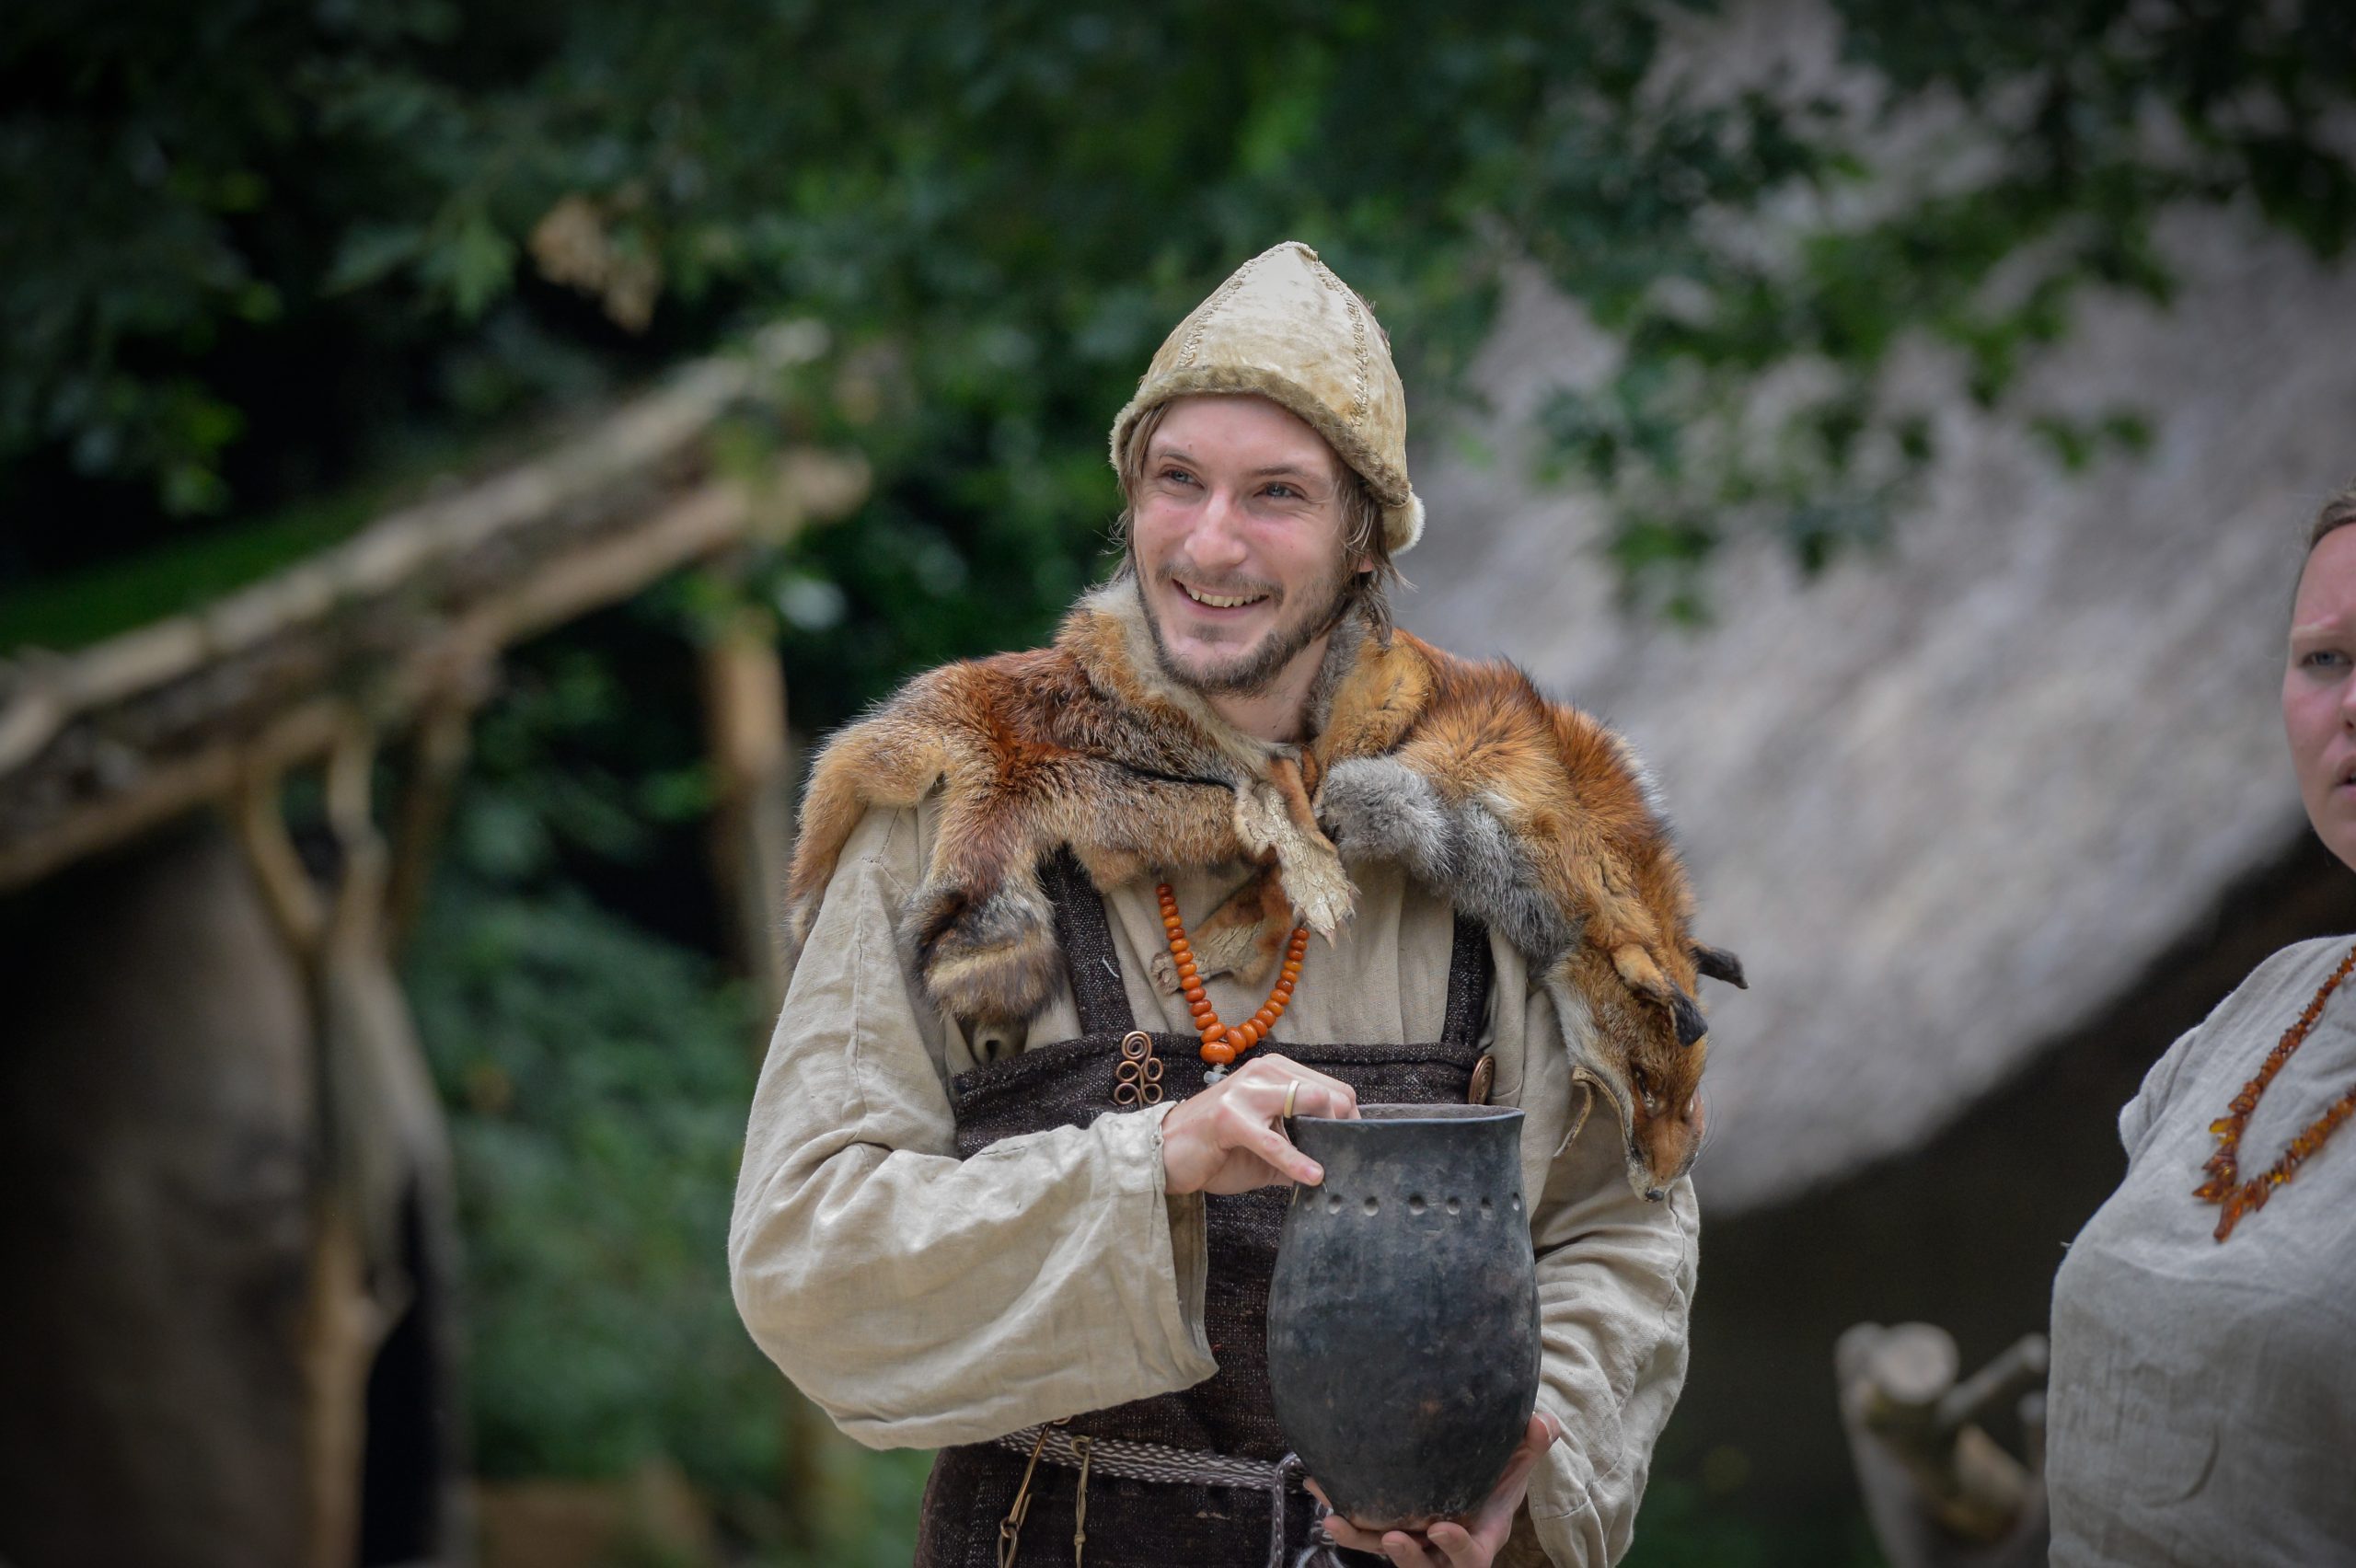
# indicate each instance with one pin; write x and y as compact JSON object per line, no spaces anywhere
{"x":1210,"y":600}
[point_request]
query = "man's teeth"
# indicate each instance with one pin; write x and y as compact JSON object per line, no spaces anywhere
{"x":1222,"y":601}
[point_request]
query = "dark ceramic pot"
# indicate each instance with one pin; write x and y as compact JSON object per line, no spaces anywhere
{"x":1402,"y":1320}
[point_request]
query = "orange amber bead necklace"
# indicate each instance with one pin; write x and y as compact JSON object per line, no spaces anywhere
{"x":2225,"y":1184}
{"x":1222,"y":1044}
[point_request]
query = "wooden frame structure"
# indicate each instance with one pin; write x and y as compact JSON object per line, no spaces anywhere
{"x":395,"y":634}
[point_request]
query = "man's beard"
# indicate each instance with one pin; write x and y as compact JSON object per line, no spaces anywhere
{"x":1254,"y":672}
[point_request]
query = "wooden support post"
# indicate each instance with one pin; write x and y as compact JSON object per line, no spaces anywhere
{"x":437,"y":764}
{"x":1940,"y":1491}
{"x":752,"y":819}
{"x":752,"y":845}
{"x":383,"y":1162}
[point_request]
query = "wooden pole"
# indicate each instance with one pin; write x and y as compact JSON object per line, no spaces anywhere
{"x":382,"y":1156}
{"x":752,"y":818}
{"x":1940,"y":1491}
{"x":752,"y":845}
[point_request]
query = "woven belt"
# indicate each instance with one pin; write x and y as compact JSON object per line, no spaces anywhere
{"x":1171,"y":1466}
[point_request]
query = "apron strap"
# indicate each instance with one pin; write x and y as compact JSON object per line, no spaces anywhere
{"x":1086,"y":938}
{"x":1471,"y":966}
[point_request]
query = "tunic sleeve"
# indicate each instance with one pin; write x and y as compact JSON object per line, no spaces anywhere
{"x":1615,"y":1288}
{"x":918,"y":1299}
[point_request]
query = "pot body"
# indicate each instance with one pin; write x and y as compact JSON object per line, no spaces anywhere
{"x":1403,"y":1318}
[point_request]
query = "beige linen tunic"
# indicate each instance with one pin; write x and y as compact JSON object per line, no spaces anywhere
{"x":923,"y":1301}
{"x":2202,"y":1397}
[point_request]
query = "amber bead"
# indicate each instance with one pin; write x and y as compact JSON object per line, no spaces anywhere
{"x":1220,"y":1043}
{"x":2225,"y":1186}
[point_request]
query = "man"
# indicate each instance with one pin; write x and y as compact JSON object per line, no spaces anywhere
{"x":1015,"y":1163}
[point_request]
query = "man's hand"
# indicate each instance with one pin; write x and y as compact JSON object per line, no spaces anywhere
{"x":1470,"y":1542}
{"x":1229,"y":1139}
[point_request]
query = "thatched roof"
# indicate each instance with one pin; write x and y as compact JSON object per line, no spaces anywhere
{"x":1949,"y":805}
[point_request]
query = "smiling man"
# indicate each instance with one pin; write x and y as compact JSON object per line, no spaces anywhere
{"x":1248,"y":539}
{"x":1017,"y":1162}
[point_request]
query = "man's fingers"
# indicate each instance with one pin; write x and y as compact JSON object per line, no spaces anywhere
{"x":1533,"y":1447}
{"x":1406,"y":1551}
{"x":1319,"y":1094}
{"x":1343,"y":1533}
{"x":1456,"y":1544}
{"x":1322,"y":1095}
{"x":1513,"y":1485}
{"x":1448,"y":1544}
{"x":1310,"y":1094}
{"x":1279,"y":1152}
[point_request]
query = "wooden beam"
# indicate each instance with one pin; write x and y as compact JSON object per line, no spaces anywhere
{"x":388,"y":670}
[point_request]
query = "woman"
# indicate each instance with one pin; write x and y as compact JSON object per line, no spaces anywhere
{"x":2203,"y":1385}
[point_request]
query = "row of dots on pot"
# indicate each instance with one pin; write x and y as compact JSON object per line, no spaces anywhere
{"x":1334,"y":1203}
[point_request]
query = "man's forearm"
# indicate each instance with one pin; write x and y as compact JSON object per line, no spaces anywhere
{"x":1613,"y":1305}
{"x":921,"y":1300}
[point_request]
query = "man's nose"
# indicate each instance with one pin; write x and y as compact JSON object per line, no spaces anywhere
{"x":1216,"y":539}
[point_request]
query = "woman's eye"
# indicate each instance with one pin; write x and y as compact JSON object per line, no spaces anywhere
{"x":1283,"y":493}
{"x":1178,"y":475}
{"x":2323,"y":659}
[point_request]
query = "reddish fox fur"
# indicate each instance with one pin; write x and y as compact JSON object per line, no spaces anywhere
{"x":1532,"y":816}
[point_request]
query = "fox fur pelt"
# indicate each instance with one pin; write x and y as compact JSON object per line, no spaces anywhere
{"x":1527,"y":814}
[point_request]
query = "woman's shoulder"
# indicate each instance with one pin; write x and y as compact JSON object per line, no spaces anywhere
{"x":2300,"y":968}
{"x":2268,"y":995}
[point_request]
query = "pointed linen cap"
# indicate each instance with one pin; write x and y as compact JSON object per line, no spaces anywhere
{"x":1286,"y":328}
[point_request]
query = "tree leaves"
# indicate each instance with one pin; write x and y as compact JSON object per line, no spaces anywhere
{"x":997,"y":211}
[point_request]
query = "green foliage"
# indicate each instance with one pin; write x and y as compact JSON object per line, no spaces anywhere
{"x":595,"y":1067}
{"x":597,"y":1076}
{"x":1681,"y":1527}
{"x":238,"y":222}
{"x":597,"y":1079}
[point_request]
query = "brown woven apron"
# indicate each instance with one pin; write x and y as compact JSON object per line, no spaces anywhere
{"x":1134,"y":1523}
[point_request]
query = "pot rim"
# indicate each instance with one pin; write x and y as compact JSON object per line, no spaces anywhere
{"x":1410,"y":1114}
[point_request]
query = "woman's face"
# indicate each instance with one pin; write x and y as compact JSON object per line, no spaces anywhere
{"x":2319,"y":691}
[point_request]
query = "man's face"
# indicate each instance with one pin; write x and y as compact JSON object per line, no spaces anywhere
{"x":1236,"y":532}
{"x":2319,"y":691}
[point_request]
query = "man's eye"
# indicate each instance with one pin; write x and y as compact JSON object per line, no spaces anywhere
{"x":2323,"y":659}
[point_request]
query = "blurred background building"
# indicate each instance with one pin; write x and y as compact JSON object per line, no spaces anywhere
{"x":454,"y":459}
{"x":1991,"y":815}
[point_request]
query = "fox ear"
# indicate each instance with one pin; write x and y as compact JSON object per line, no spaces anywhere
{"x":1644,"y":978}
{"x":1720,"y":964}
{"x":1690,"y":1024}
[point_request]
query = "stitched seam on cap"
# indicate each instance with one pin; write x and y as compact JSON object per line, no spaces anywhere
{"x":1357,"y":331}
{"x":1194,"y":338}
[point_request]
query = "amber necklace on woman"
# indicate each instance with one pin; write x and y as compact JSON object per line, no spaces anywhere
{"x":1221,"y":1043}
{"x":2225,"y":1184}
